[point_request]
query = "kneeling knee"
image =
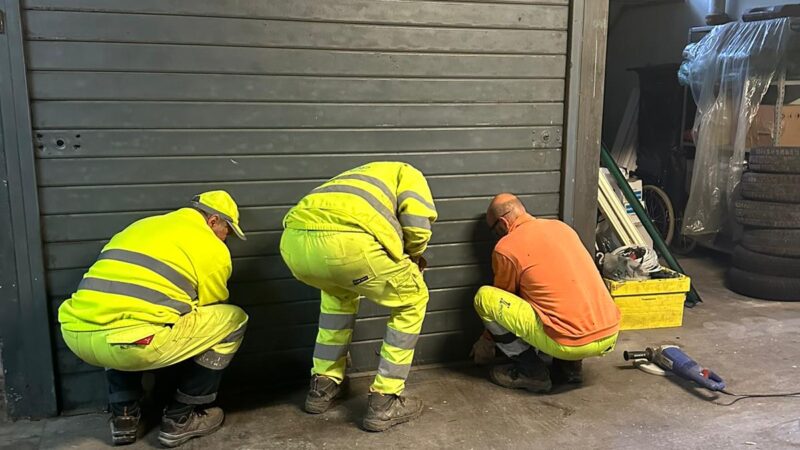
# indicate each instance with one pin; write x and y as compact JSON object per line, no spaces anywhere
{"x":483,"y":294}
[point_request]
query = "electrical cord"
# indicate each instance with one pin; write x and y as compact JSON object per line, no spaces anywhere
{"x":745,"y":396}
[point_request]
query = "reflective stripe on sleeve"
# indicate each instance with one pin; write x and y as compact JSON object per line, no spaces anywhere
{"x":411,"y":220}
{"x":405,"y":195}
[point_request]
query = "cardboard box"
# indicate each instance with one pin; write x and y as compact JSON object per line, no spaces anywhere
{"x":760,"y":133}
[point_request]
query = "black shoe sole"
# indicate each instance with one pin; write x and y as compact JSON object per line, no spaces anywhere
{"x":542,"y":387}
{"x":318,"y":406}
{"x":174,"y":440}
{"x":377,"y":425}
{"x":123,"y":438}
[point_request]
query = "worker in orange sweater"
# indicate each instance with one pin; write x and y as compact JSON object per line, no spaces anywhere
{"x":547,"y":295}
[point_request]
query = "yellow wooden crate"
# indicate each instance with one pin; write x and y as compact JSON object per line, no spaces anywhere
{"x":656,"y":303}
{"x":651,"y":311}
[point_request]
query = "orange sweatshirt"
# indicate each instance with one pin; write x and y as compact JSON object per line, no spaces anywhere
{"x":544,"y":262}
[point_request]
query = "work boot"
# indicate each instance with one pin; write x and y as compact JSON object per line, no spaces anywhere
{"x":528,"y":371}
{"x":567,"y":372}
{"x":322,"y":392}
{"x":199,"y":422}
{"x":387,"y":410}
{"x":125,"y":426}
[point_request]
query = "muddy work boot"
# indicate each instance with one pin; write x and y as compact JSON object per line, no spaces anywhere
{"x":527,"y":371}
{"x":386,"y":411}
{"x":125,"y":426}
{"x":199,"y":422}
{"x":323,"y":392}
{"x":567,"y":372}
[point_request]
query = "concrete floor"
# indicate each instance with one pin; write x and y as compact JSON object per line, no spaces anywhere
{"x":752,"y":344}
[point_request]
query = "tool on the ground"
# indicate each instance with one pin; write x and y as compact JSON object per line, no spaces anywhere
{"x":670,"y":358}
{"x":692,"y":298}
{"x":673,"y":359}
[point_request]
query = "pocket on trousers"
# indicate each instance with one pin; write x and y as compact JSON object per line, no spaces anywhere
{"x":138,"y":337}
{"x":350,"y":270}
{"x":407,"y":282}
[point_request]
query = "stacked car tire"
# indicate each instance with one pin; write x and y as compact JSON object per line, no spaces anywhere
{"x":766,"y":263}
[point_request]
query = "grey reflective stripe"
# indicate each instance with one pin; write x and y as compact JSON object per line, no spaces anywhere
{"x":513,"y":348}
{"x":389,"y":369}
{"x":374,"y":202}
{"x":194,"y":399}
{"x":405,"y":195}
{"x":495,"y":328}
{"x":329,"y":352}
{"x":337,"y":321}
{"x":411,"y":220}
{"x":148,"y":262}
{"x":235,"y":336}
{"x":213,"y":360}
{"x":373,"y":181}
{"x":210,"y":210}
{"x":399,"y":339}
{"x":135,"y":291}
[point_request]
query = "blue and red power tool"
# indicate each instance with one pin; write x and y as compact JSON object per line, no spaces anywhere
{"x":671,"y":358}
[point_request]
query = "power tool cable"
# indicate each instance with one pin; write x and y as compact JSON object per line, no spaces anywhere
{"x":745,"y":396}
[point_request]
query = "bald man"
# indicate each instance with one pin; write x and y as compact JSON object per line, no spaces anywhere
{"x":547,"y":296}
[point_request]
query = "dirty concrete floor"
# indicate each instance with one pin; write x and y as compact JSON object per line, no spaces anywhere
{"x":753,"y":344}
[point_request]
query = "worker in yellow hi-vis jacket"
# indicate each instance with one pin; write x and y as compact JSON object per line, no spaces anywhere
{"x":362,"y":234}
{"x":154,"y":298}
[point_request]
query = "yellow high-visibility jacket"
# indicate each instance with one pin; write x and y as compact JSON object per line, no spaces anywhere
{"x":389,"y":200}
{"x":153,"y":271}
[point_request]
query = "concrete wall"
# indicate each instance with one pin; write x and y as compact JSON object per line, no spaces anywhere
{"x":649,"y":35}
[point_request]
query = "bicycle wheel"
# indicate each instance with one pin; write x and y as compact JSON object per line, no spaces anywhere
{"x":659,"y":208}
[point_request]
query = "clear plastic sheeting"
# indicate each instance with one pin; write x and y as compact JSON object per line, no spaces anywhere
{"x":729,"y":71}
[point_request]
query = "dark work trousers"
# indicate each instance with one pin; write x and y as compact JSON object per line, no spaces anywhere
{"x":195,"y":385}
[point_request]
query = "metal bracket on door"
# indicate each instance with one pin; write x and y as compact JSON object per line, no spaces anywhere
{"x":2,"y":22}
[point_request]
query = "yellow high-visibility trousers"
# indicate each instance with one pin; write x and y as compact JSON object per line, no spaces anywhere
{"x":209,"y":334}
{"x":345,"y":266}
{"x":503,"y":312}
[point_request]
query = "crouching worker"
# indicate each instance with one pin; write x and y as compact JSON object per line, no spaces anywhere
{"x":154,"y":299}
{"x":363,"y":234}
{"x":547,"y":295}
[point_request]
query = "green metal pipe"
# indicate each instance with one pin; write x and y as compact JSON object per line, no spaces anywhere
{"x":608,"y":162}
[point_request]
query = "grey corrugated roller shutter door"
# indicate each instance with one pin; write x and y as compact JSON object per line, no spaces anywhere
{"x":138,"y":105}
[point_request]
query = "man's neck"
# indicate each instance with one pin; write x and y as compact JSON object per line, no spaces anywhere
{"x":519,"y":220}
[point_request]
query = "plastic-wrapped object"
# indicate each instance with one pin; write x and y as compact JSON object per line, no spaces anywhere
{"x":728,"y":71}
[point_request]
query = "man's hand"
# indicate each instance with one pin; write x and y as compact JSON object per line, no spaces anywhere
{"x":483,"y":350}
{"x":421,"y":262}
